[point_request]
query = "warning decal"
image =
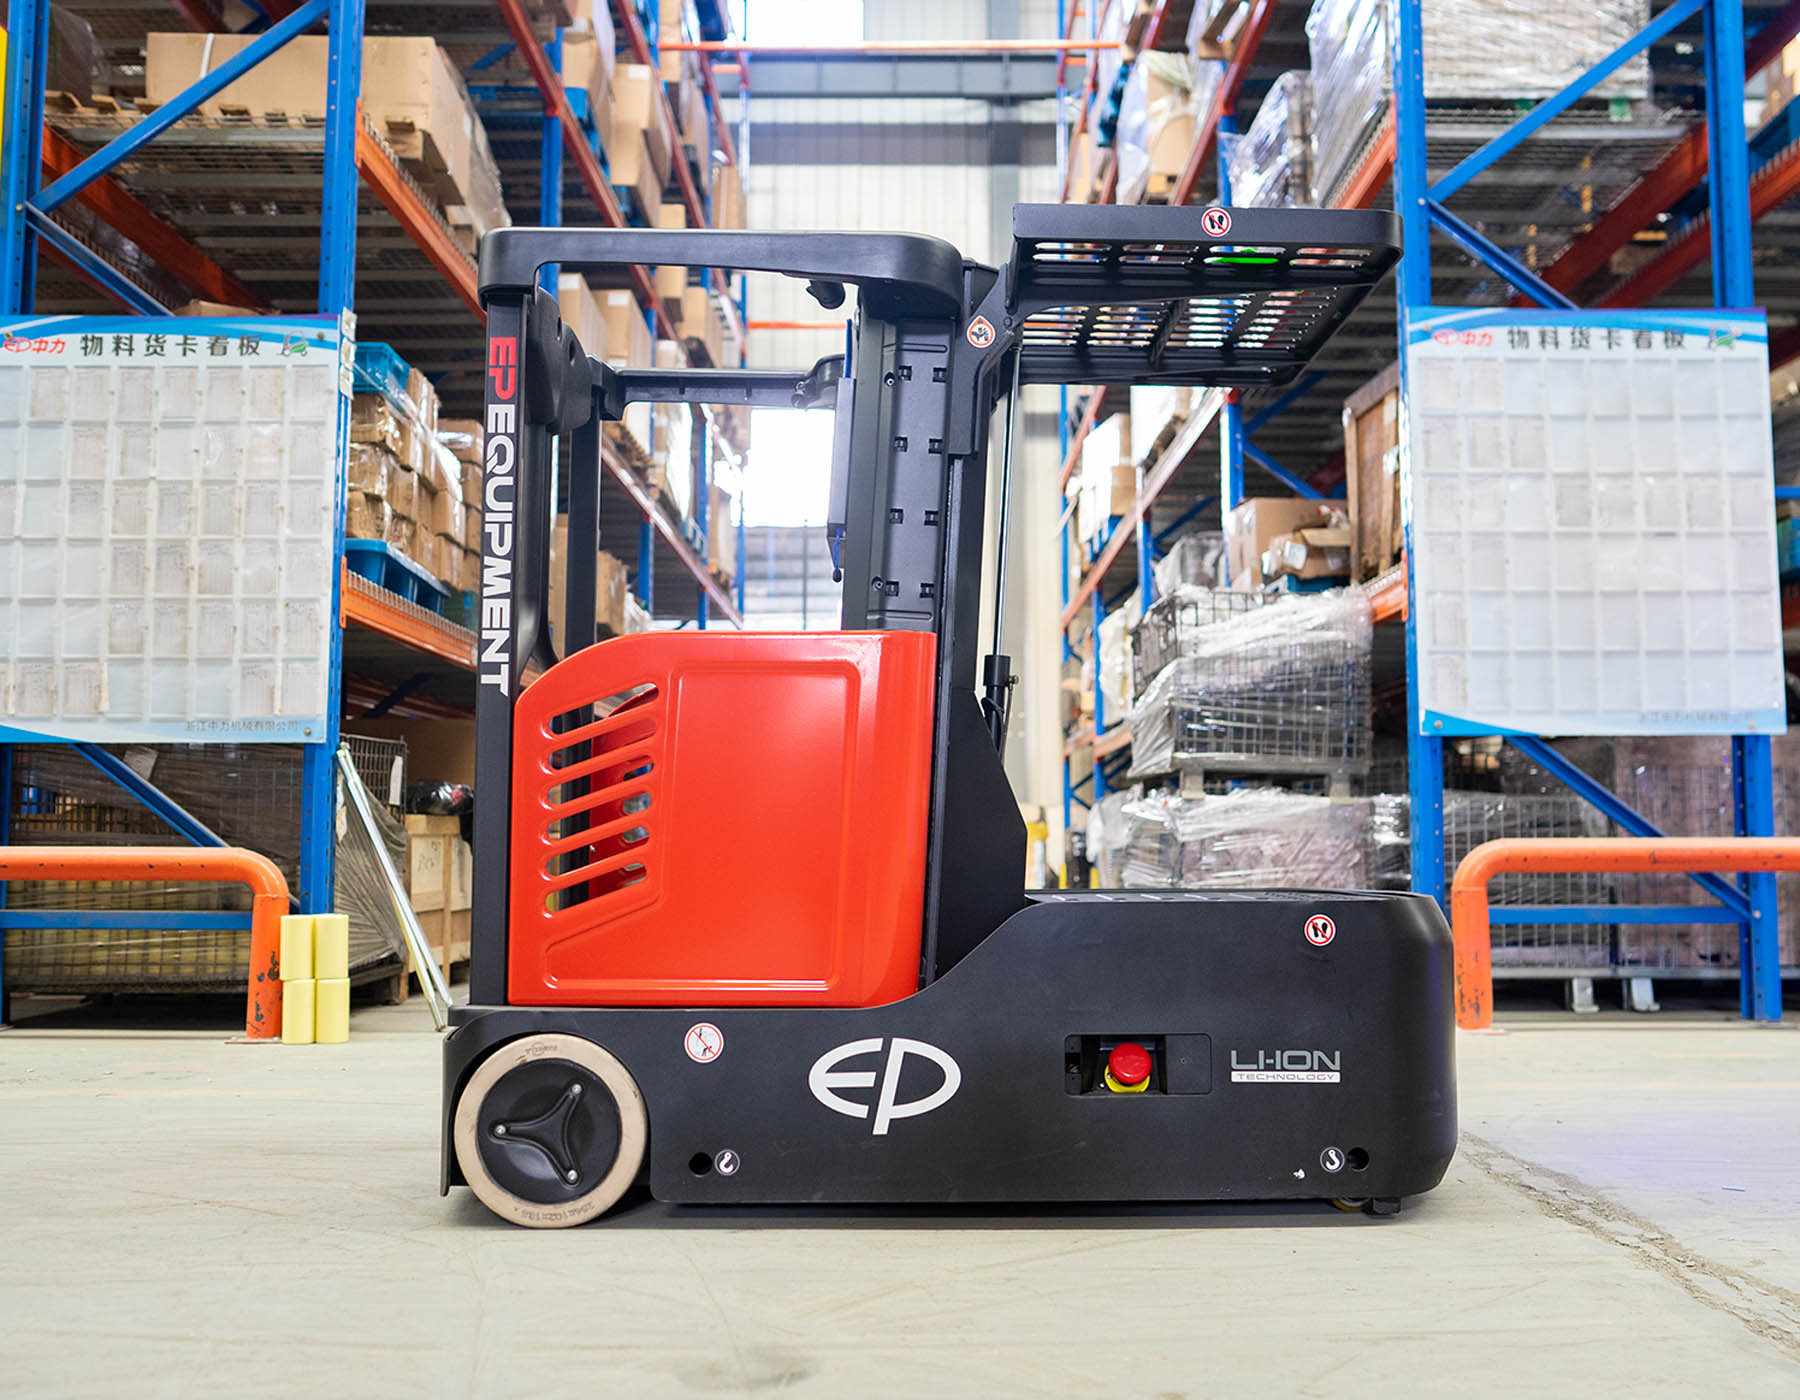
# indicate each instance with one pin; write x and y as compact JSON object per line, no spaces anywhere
{"x":704,"y":1042}
{"x":1216,"y":222}
{"x":1320,"y":930}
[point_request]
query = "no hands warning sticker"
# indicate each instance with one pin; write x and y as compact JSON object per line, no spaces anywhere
{"x":704,"y":1042}
{"x":1216,"y":222}
{"x":1320,"y":930}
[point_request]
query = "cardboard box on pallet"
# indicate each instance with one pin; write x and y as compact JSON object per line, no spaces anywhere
{"x":373,"y":420}
{"x":368,"y":468}
{"x":637,"y":114}
{"x":468,"y":574}
{"x":1372,"y":474}
{"x":727,"y":196}
{"x":463,"y":437}
{"x":440,"y":883}
{"x":669,"y":27}
{"x":581,"y":313}
{"x":721,"y":533}
{"x":1256,"y":523}
{"x":410,"y":92}
{"x":403,"y":492}
{"x":611,"y":586}
{"x":701,"y":321}
{"x":443,"y":515}
{"x":629,"y":344}
{"x":366,"y":516}
{"x":587,"y":66}
{"x":1108,"y":478}
{"x":1318,"y":552}
{"x":671,"y":281}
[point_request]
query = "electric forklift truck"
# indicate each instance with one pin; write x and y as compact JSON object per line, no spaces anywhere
{"x":749,"y":913}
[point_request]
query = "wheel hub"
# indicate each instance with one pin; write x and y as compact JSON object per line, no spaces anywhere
{"x":548,"y":1131}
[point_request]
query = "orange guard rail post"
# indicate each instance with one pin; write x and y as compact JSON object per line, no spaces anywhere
{"x":1678,"y":855}
{"x":268,"y":889}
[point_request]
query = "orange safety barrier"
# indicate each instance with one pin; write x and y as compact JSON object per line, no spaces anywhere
{"x":268,"y":889}
{"x":1675,"y":854}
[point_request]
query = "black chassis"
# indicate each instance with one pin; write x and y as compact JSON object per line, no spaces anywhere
{"x":1218,"y":985}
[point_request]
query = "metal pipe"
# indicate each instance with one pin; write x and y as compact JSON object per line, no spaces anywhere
{"x":1006,"y":453}
{"x":896,"y":46}
{"x":431,"y":976}
{"x":1470,"y":920}
{"x":268,"y":899}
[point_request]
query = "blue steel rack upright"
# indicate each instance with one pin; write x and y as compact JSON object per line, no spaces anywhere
{"x":1401,"y":149}
{"x":28,"y":205}
{"x":25,"y":223}
{"x":1420,"y":202}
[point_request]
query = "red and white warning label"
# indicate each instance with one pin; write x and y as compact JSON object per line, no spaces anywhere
{"x":1216,"y":222}
{"x":1320,"y":930}
{"x":704,"y":1042}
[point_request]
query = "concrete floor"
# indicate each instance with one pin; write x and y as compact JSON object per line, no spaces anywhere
{"x":187,"y":1217}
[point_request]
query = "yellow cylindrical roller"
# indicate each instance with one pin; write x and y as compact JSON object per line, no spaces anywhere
{"x":296,"y":947}
{"x":331,"y":946}
{"x":299,"y":1000}
{"x":333,"y":1020}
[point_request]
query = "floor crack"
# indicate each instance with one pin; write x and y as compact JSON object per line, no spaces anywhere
{"x":1765,"y":1309}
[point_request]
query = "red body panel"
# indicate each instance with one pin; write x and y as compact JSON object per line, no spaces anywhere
{"x":756,"y":809}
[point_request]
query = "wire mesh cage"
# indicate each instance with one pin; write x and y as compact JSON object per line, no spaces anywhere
{"x":1170,"y":628}
{"x":1472,"y":818}
{"x":1284,"y":688}
{"x":248,"y":794}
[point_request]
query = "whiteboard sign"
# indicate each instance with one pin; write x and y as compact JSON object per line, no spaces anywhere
{"x":1592,"y":515}
{"x":169,"y":490}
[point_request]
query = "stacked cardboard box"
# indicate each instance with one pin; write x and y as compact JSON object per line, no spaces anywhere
{"x":410,"y":91}
{"x":721,"y":533}
{"x":1106,"y":484}
{"x":590,"y":56}
{"x":1272,"y":535}
{"x":405,"y":486}
{"x":462,"y":440}
{"x":582,"y":312}
{"x":440,"y":882}
{"x":671,"y":469}
{"x":672,"y":281}
{"x":612,"y":588}
{"x":628,"y":346}
{"x":703,"y":321}
{"x":1372,"y":473}
{"x":637,"y":146}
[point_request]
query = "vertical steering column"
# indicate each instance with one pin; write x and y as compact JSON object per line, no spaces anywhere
{"x":496,"y":651}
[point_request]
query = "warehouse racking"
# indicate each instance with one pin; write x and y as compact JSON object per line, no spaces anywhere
{"x":1701,"y":183}
{"x":340,"y":228}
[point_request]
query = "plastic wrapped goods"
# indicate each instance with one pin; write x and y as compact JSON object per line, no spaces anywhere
{"x":1159,"y":100}
{"x":1271,"y":164}
{"x":1497,"y":51}
{"x":1253,"y":838}
{"x":1171,"y":628}
{"x":1284,"y":688}
{"x":1196,"y":558}
{"x":1106,"y":838}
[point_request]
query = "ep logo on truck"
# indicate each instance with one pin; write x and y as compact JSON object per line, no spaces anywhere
{"x":825,"y":1077}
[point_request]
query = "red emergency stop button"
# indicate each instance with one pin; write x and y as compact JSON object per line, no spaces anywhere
{"x":1128,"y":1068}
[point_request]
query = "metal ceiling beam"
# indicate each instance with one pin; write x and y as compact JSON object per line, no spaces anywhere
{"x":990,"y":77}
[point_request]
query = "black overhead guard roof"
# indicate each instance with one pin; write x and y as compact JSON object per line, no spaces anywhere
{"x":1180,"y":295}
